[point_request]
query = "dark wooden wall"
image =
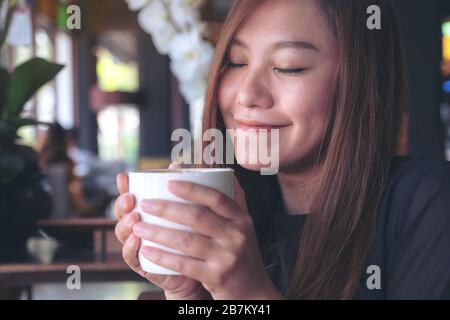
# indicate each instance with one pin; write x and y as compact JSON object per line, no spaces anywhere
{"x":421,"y":23}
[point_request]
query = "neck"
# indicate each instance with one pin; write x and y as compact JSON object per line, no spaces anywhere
{"x":299,"y":188}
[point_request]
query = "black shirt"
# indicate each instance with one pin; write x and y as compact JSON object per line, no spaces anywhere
{"x":412,"y":240}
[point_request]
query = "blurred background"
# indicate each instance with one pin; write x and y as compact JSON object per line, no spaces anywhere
{"x":91,"y":88}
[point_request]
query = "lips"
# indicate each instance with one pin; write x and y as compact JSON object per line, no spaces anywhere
{"x":251,"y":124}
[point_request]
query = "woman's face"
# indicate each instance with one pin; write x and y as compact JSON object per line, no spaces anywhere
{"x":280,"y":73}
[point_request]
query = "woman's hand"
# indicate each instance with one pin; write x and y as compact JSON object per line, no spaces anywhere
{"x":175,"y":287}
{"x":224,"y":254}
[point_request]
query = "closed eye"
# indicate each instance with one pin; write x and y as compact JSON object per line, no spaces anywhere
{"x":291,"y":71}
{"x":284,"y":71}
{"x":235,"y":65}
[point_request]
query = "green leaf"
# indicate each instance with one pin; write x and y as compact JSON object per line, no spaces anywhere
{"x":22,"y":122}
{"x":26,"y":80}
{"x":4,"y":84}
{"x":11,"y":165}
{"x":9,"y":127}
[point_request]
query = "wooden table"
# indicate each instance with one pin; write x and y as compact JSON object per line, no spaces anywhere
{"x":81,"y":224}
{"x":101,"y":267}
{"x":25,"y":275}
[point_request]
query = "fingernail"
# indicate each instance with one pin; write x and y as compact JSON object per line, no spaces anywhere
{"x":132,"y":215}
{"x":123,"y":202}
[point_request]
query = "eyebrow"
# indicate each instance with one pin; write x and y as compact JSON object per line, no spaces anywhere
{"x":286,"y":44}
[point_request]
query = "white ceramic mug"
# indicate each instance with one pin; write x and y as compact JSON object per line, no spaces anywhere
{"x":152,"y":184}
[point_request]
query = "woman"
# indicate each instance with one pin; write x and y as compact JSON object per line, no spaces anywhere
{"x":54,"y":148}
{"x":54,"y":152}
{"x":343,"y":206}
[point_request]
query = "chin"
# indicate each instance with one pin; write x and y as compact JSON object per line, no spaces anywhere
{"x":251,"y":167}
{"x":262,"y":169}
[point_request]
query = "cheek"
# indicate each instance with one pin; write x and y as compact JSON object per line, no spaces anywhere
{"x":226,"y":94}
{"x":307,"y":107}
{"x":306,"y":103}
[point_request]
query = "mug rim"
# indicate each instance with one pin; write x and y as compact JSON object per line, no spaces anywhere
{"x":185,"y":170}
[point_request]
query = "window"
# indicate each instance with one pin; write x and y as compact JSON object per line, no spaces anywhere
{"x":54,"y":101}
{"x":119,"y":134}
{"x":114,"y":75}
{"x":64,"y":80}
{"x":117,"y":72}
{"x":46,"y":96}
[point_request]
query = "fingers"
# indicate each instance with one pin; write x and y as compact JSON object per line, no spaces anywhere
{"x":125,"y":226}
{"x":124,"y":204}
{"x":193,"y":245}
{"x":130,"y":256}
{"x":122,"y":183}
{"x":129,"y":252}
{"x":200,"y":219}
{"x":187,"y":266}
{"x":208,"y":197}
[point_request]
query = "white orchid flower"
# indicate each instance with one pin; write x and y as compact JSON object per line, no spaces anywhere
{"x":155,"y":20}
{"x":136,"y":5}
{"x":190,"y":56}
{"x":183,"y":13}
{"x":176,"y":29}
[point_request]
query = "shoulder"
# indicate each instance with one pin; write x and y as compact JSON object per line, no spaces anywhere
{"x":416,"y":200}
{"x":415,"y":170}
{"x":414,"y":184}
{"x":416,"y":215}
{"x":416,"y":180}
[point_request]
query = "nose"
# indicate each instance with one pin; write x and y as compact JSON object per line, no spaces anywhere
{"x":254,"y":91}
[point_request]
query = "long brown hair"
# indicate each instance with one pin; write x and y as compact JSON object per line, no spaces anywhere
{"x":367,"y":104}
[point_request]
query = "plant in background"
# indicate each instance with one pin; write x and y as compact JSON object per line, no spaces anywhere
{"x":16,"y":88}
{"x":177,"y":30}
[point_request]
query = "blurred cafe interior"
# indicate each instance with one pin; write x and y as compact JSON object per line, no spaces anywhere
{"x":110,"y":94}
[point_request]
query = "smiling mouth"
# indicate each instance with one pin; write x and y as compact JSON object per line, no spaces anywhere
{"x":247,"y":125}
